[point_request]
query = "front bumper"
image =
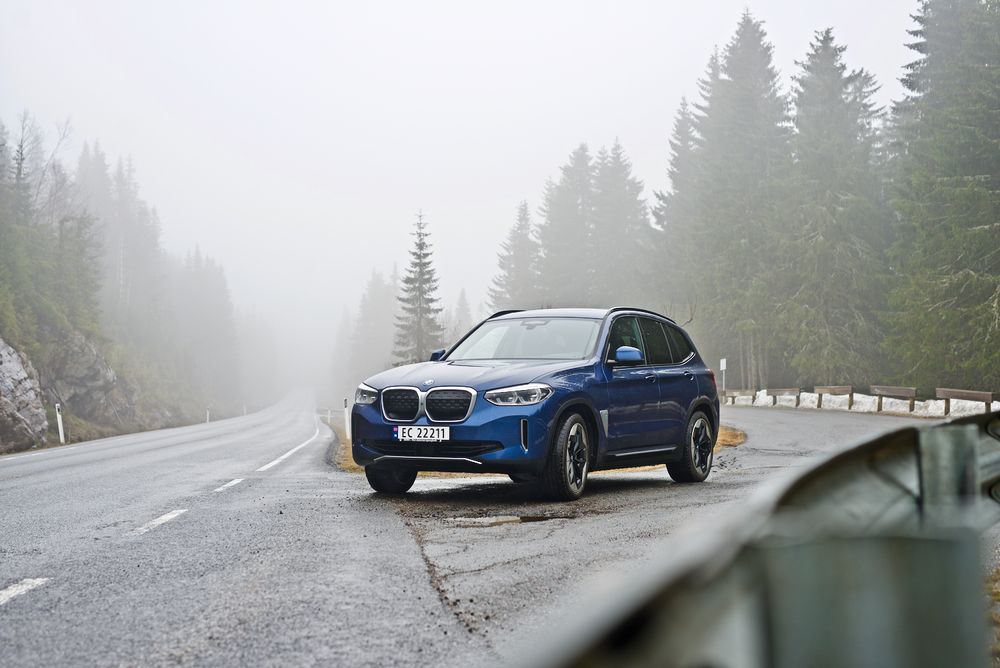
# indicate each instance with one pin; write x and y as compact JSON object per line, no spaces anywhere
{"x":489,"y":441}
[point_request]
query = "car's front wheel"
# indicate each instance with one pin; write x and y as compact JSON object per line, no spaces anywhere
{"x":699,"y":447}
{"x":565,"y":473}
{"x":390,"y":480}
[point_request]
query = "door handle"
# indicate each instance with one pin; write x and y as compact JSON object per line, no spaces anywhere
{"x":689,"y":375}
{"x":651,"y":377}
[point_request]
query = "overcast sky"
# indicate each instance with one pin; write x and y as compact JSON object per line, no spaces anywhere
{"x":294,"y":141}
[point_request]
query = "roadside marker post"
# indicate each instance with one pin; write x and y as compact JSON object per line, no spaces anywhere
{"x":208,"y":416}
{"x":722,"y":368}
{"x":59,"y":423}
{"x":347,"y":420}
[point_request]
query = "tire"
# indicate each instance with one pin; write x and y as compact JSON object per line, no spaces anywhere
{"x":394,"y":481}
{"x":699,"y":451}
{"x":565,"y":473}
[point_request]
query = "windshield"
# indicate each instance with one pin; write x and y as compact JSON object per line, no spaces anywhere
{"x":530,"y":338}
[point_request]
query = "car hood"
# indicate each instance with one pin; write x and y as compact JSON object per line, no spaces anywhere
{"x":479,"y":375}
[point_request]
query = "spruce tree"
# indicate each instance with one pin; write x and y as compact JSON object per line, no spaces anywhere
{"x":372,"y":336}
{"x":947,"y":301}
{"x":565,"y":236}
{"x":418,"y":330}
{"x":672,"y":259}
{"x":620,"y":230}
{"x":832,"y":253}
{"x":744,"y":162}
{"x":516,"y":284}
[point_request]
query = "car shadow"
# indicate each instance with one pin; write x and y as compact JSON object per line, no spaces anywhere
{"x":468,"y":493}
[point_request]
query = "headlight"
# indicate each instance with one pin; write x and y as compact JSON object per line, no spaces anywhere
{"x":365,"y":395}
{"x":521,"y":395}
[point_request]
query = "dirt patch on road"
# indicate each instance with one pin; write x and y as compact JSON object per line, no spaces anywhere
{"x":728,"y":437}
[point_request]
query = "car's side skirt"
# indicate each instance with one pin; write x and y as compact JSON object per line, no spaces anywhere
{"x":639,"y":457}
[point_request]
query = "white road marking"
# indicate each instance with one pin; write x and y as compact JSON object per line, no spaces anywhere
{"x":228,"y":485}
{"x":162,"y":519}
{"x":22,"y":587}
{"x":290,"y":452}
{"x":11,"y":458}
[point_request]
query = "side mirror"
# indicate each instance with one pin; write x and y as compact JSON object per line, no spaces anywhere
{"x":437,"y":354}
{"x":628,"y":356}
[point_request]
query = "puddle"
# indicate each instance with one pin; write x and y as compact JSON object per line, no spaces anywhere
{"x":497,"y":520}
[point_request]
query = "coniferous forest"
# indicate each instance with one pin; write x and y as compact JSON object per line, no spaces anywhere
{"x":122,"y":334}
{"x":809,"y":235}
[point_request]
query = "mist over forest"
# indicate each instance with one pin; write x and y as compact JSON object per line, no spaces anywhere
{"x":811,"y":236}
{"x":809,"y":231}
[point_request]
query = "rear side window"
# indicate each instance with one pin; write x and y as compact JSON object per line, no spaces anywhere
{"x":624,"y":332}
{"x":657,"y":349}
{"x":679,"y":345}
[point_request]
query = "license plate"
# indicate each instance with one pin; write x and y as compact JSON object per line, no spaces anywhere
{"x":422,"y":433}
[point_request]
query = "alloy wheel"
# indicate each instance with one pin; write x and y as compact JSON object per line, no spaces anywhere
{"x":701,"y":445}
{"x":577,"y":450}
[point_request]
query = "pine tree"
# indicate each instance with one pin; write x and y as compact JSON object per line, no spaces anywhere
{"x":461,"y":319}
{"x":832,"y":254}
{"x":516,"y":284}
{"x":372,"y":336}
{"x":947,"y":301}
{"x":565,"y":236}
{"x":418,"y":330}
{"x":671,"y":258}
{"x":744,"y":161}
{"x":621,"y":231}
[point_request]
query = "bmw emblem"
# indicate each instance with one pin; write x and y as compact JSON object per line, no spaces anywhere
{"x":429,"y":382}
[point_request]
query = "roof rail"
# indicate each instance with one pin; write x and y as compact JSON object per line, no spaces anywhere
{"x":640,"y":310}
{"x":507,"y":312}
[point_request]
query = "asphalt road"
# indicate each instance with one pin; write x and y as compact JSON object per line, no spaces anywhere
{"x":142,"y":550}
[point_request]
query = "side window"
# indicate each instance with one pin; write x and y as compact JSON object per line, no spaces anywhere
{"x":624,"y":332}
{"x":678,"y":343}
{"x":657,"y":350}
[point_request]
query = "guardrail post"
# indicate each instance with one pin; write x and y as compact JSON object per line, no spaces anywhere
{"x":888,"y":601}
{"x":949,"y":472}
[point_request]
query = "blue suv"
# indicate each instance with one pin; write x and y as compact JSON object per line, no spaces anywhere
{"x":544,"y":396}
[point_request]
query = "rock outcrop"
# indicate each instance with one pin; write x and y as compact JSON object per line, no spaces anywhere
{"x":23,"y":423}
{"x":77,"y":375}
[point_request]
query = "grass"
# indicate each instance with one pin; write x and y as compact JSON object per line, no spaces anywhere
{"x":728,"y":437}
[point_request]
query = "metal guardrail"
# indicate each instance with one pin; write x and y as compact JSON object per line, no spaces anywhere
{"x":869,"y":558}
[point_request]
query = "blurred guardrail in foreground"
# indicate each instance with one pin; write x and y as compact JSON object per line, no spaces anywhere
{"x":869,"y":558}
{"x":946,"y":401}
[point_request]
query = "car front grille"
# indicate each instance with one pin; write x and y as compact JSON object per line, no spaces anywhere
{"x":448,"y":405}
{"x":448,"y":449}
{"x":400,"y":404}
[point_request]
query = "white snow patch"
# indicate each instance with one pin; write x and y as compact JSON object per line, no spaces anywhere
{"x":836,"y":402}
{"x":744,"y":401}
{"x":788,"y":400}
{"x":808,"y":400}
{"x":762,"y":399}
{"x":929,"y":408}
{"x":892,"y":405}
{"x":863,"y":403}
{"x":963,"y":407}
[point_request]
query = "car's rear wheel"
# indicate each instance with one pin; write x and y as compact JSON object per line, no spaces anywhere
{"x":390,"y":479}
{"x":565,"y":473}
{"x":699,"y":451}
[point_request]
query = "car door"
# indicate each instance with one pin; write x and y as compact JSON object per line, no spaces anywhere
{"x":663,"y":422}
{"x":678,"y":384}
{"x":633,"y":395}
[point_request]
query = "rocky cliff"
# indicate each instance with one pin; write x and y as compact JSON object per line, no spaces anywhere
{"x":77,"y":376}
{"x":23,"y":423}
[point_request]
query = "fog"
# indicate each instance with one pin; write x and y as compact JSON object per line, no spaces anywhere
{"x":294,"y":142}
